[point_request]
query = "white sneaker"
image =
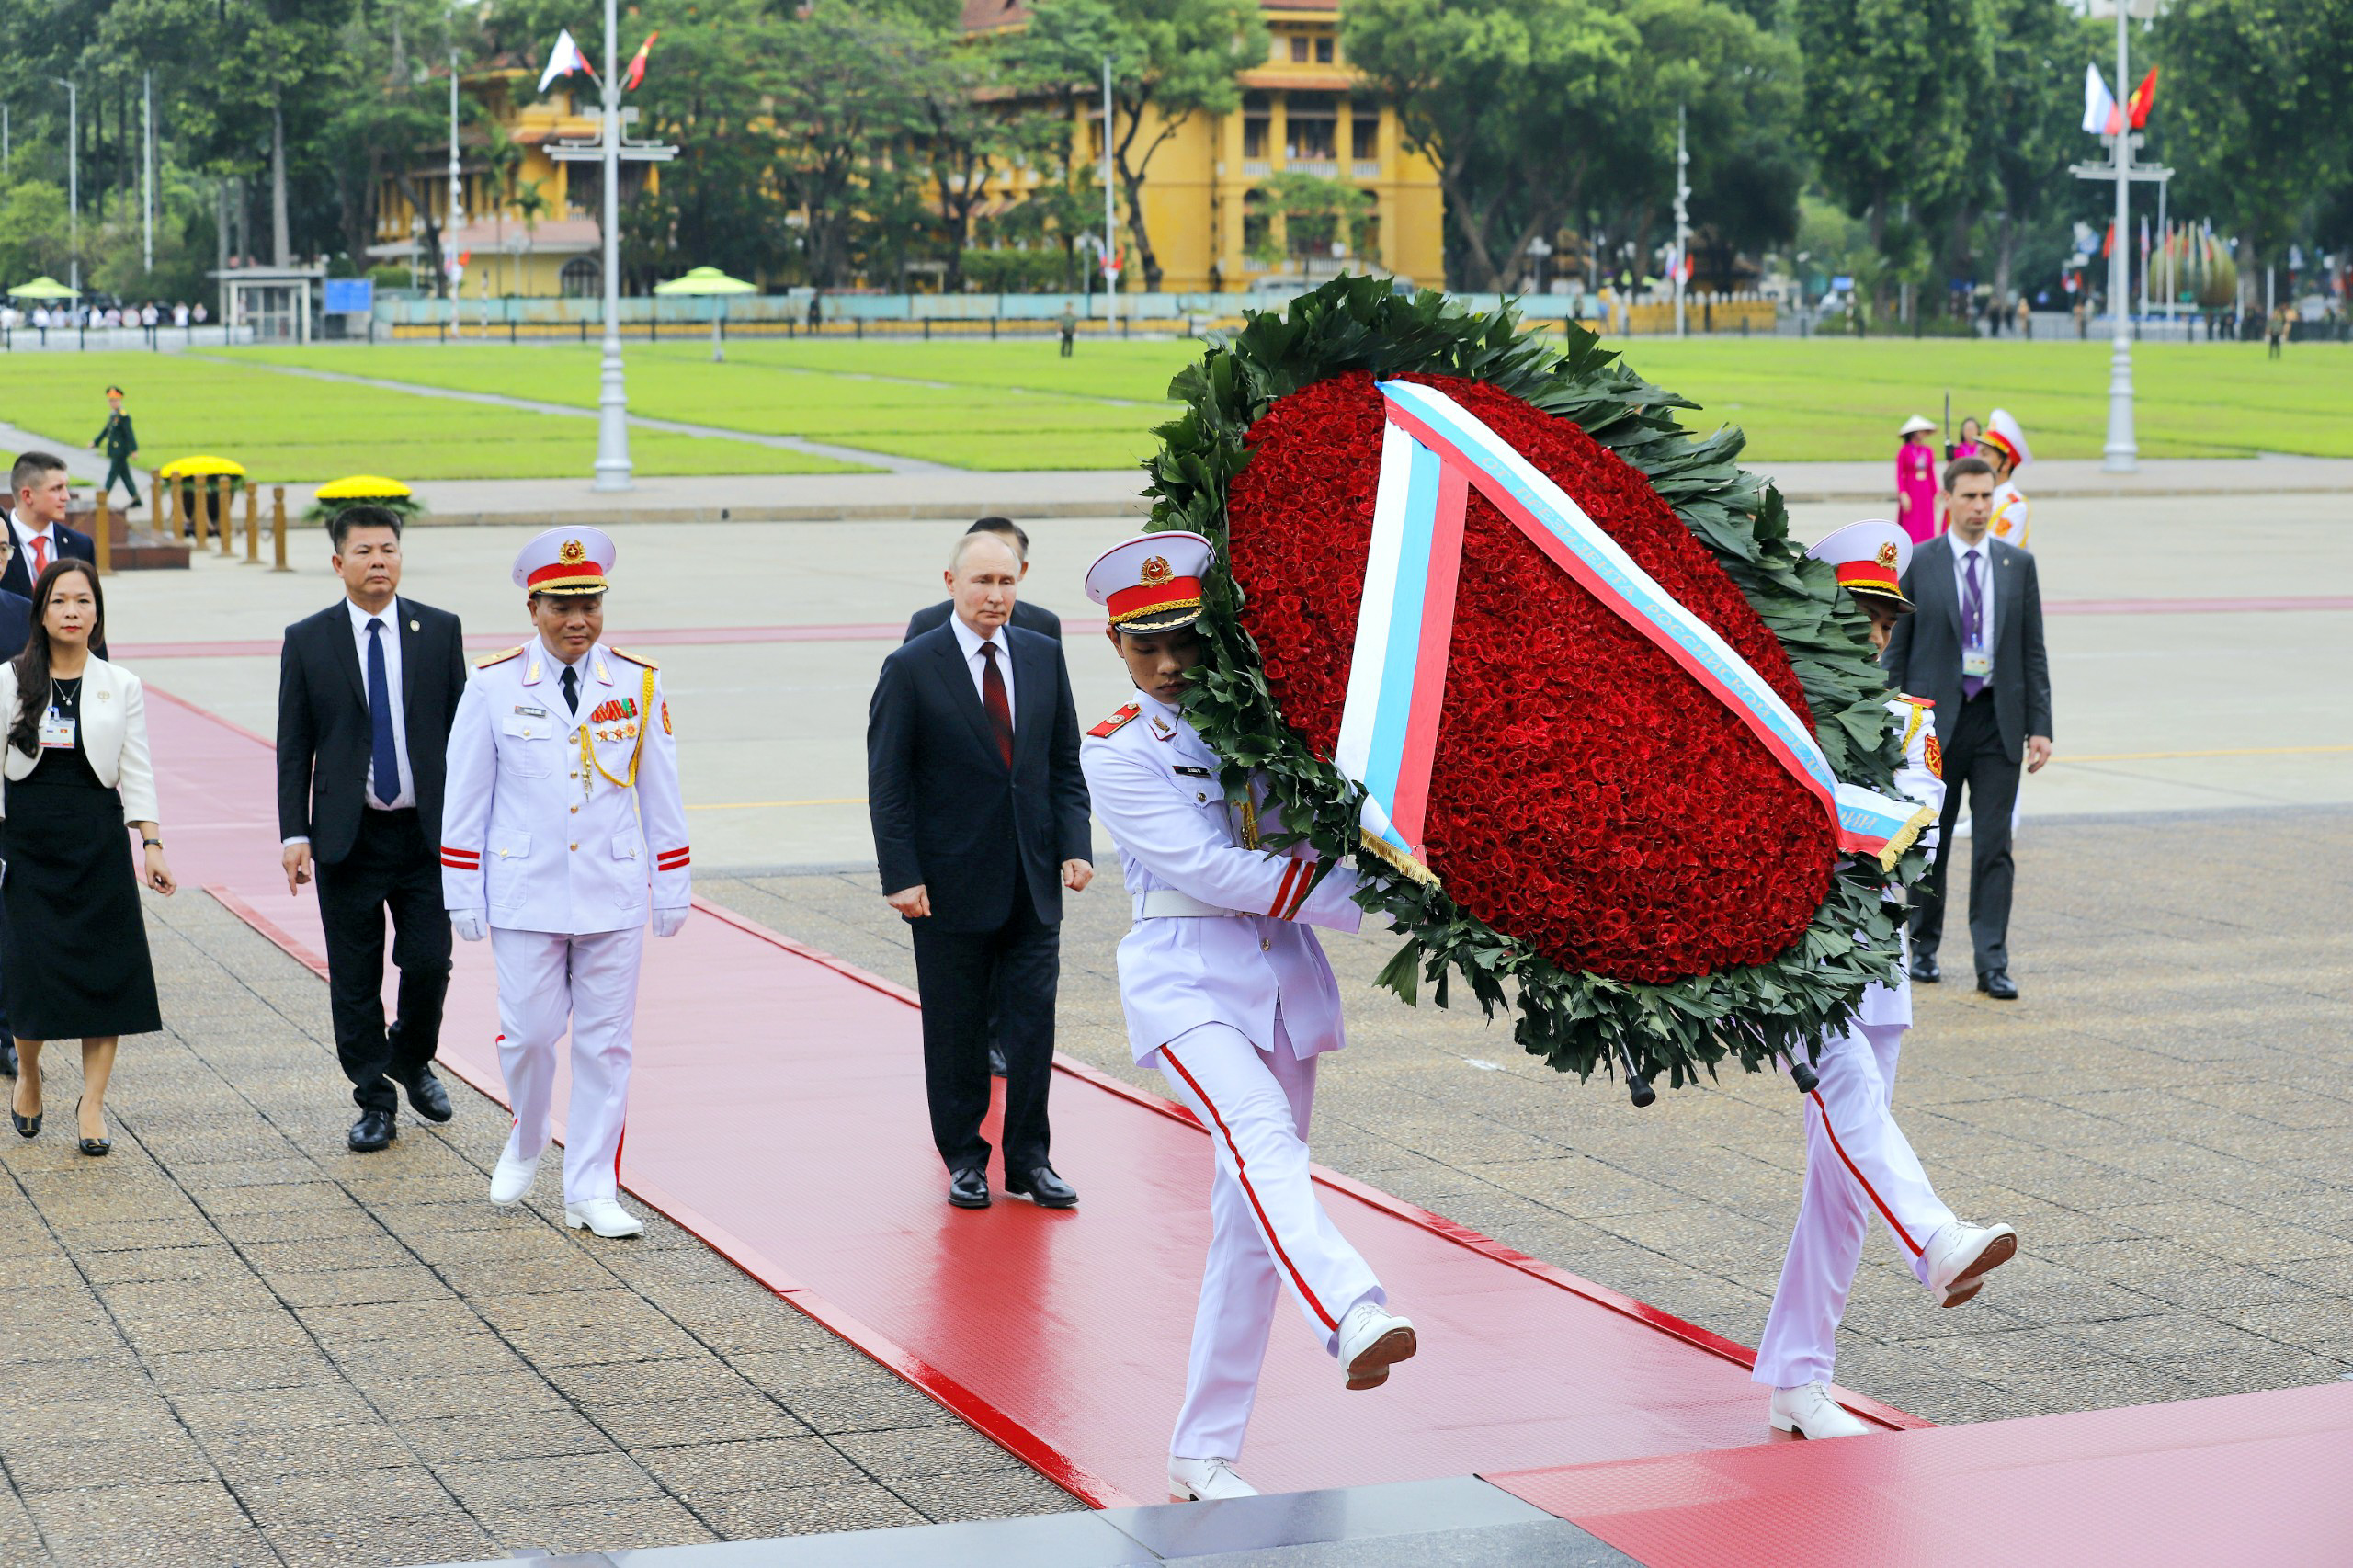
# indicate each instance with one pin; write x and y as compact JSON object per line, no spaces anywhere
{"x":1371,"y":1341}
{"x":1810,"y":1412}
{"x":1960,"y":1256}
{"x":511,"y":1180}
{"x":604,"y":1216}
{"x":1205,"y":1481}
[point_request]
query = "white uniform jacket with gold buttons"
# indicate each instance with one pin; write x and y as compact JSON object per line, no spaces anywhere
{"x":2013,"y":518}
{"x":1920,"y":778}
{"x":1153,"y":782}
{"x":560,"y":822}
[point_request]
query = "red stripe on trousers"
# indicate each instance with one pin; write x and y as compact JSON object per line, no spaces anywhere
{"x":1877,"y":1202}
{"x":1290,"y":875}
{"x":1243,"y":1176}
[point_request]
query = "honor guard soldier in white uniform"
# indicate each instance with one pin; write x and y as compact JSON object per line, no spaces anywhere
{"x":2004,"y":447}
{"x":1858,"y":1165}
{"x":1227,"y":993}
{"x":563,"y":827}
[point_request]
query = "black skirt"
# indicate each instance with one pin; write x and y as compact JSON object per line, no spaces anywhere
{"x":73,"y":961}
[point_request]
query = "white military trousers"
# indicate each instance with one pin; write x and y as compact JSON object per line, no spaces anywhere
{"x":1268,"y":1234}
{"x":547,"y":983}
{"x":1858,"y":1167}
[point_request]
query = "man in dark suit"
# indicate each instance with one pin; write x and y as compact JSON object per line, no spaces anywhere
{"x":366,"y":690}
{"x":41,"y":492}
{"x":980,"y":818}
{"x":16,"y":627}
{"x":1973,"y":646}
{"x":1026,"y":616}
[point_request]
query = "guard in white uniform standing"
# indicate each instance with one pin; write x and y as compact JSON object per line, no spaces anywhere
{"x":1228,"y":993}
{"x":563,"y":826}
{"x":1858,"y":1165}
{"x":2004,"y":447}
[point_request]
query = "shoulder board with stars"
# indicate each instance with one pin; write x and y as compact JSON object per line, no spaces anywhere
{"x":1111,"y":725}
{"x":498,"y":658}
{"x":634,"y":658}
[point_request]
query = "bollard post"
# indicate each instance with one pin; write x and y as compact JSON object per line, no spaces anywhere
{"x":203,"y":496}
{"x":103,"y":522}
{"x":253,"y":525}
{"x":277,"y":526}
{"x":174,"y":525}
{"x":227,"y":518}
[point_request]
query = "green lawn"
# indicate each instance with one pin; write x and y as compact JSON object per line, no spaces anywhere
{"x":290,"y":429}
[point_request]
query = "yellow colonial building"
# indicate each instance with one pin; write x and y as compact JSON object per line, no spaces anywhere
{"x":1207,"y":204}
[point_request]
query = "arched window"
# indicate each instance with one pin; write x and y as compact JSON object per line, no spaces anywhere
{"x":582,"y":279}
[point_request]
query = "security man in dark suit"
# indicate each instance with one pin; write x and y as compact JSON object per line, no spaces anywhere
{"x":40,"y":493}
{"x":1973,"y":646}
{"x":366,"y":691}
{"x":1026,"y":616}
{"x":980,"y":817}
{"x":16,"y":627}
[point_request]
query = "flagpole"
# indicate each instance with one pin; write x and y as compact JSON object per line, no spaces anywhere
{"x":457,"y":199}
{"x":613,"y":469}
{"x":2122,"y":454}
{"x":1682,"y":215}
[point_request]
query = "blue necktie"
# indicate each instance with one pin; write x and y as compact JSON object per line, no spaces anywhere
{"x":385,"y":768}
{"x":1973,"y":619}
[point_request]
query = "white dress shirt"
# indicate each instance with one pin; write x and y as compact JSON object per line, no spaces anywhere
{"x":391,"y":616}
{"x":972,"y":642}
{"x":46,"y":534}
{"x":1984,"y":548}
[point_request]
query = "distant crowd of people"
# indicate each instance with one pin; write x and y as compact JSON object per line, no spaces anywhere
{"x":66,"y":317}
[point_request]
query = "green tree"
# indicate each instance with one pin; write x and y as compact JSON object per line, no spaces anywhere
{"x":33,"y":232}
{"x":2031,"y":127}
{"x":1170,"y":60}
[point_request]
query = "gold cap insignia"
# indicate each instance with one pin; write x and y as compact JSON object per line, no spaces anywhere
{"x":1155,"y":572}
{"x":573,"y":554}
{"x":1887,"y":554}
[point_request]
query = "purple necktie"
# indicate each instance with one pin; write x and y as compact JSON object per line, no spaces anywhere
{"x":1973,"y":619}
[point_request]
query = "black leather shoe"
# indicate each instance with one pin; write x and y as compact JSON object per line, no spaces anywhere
{"x":1999,"y":985}
{"x":427,"y":1097}
{"x":26,"y":1126}
{"x":968,"y":1189}
{"x":97,"y":1148}
{"x":1043,"y":1188}
{"x":1925,"y":971}
{"x":375,"y":1130}
{"x":996,"y":1061}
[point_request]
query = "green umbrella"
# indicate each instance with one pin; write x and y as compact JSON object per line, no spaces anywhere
{"x":41,"y":289}
{"x":709,"y":280}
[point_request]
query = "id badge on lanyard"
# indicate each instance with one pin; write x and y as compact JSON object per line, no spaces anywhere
{"x":57,"y":730}
{"x":1977,"y":664}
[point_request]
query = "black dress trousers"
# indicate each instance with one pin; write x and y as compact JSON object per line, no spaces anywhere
{"x":1974,"y":758}
{"x":1018,"y":966}
{"x":389,"y":867}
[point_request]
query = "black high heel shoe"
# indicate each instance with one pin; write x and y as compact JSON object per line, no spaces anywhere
{"x":94,"y":1147}
{"x":26,"y":1126}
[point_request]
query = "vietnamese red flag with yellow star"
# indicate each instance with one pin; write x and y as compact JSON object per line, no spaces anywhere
{"x":2137,"y":107}
{"x":636,"y":72}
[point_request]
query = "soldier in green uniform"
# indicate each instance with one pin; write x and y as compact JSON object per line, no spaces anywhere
{"x":121,"y":444}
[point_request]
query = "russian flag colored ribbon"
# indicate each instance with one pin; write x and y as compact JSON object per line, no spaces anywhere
{"x":1434,"y":452}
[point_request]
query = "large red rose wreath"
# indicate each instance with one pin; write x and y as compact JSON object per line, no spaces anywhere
{"x":1617,"y":857}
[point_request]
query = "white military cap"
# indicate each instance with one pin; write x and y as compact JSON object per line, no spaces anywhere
{"x":1870,"y":558}
{"x":2002,"y":430}
{"x":566,"y":560}
{"x":1153,"y":582}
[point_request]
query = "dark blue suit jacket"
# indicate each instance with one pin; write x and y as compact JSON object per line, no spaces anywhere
{"x":15,"y":623}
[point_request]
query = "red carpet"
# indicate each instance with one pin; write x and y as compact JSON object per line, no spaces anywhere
{"x":2252,"y":1479}
{"x":777,"y":1112}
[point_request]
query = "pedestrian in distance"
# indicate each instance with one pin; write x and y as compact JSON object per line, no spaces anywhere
{"x":1972,"y":432}
{"x":1068,"y":323}
{"x":563,"y":827}
{"x":1973,"y":647}
{"x":2275,"y":328}
{"x":1228,"y":993}
{"x":367,"y":689}
{"x":980,"y":819}
{"x":122,"y":444}
{"x":1915,"y":479}
{"x":77,"y":770}
{"x":1858,"y":1162}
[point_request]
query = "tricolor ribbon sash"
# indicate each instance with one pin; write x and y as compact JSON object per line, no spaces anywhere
{"x":1434,"y":452}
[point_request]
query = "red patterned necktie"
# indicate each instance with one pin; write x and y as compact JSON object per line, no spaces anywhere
{"x":40,"y":554}
{"x":993,"y":697}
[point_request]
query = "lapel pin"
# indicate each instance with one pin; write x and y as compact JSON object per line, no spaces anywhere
{"x":414,"y":627}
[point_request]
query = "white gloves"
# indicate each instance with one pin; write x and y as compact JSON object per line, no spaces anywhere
{"x":469,"y":924}
{"x":667,"y":922}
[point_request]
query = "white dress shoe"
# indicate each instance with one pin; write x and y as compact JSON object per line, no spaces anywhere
{"x":1960,"y":1256}
{"x":1371,"y":1341}
{"x":1810,"y":1412}
{"x":512,"y":1178}
{"x":1205,"y":1481}
{"x":603,"y":1216}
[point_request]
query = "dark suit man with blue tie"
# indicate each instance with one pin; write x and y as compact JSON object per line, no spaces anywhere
{"x":980,"y":818}
{"x":366,"y":693}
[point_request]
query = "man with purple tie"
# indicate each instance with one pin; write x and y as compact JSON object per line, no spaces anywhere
{"x":1974,"y":647}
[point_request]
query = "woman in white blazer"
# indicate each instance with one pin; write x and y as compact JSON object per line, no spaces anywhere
{"x":73,"y":958}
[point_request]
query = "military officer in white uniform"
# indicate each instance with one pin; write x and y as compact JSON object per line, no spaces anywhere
{"x":563,"y":828}
{"x":1858,"y":1165}
{"x":2004,"y":447}
{"x":1227,"y":993}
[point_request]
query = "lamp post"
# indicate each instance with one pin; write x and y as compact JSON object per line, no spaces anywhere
{"x":73,"y":184}
{"x":1110,"y":218}
{"x":613,"y":469}
{"x":1682,"y":214}
{"x":1537,"y":250}
{"x":2121,"y":454}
